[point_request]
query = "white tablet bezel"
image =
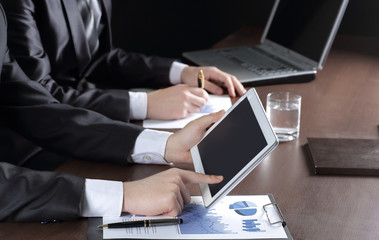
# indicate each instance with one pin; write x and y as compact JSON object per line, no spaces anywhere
{"x":268,"y":133}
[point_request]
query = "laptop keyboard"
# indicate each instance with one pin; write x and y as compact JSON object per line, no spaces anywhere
{"x":255,"y":61}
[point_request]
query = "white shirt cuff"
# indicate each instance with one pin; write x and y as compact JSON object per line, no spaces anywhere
{"x":150,"y":147}
{"x":175,"y":72}
{"x":102,"y":198}
{"x":138,"y":105}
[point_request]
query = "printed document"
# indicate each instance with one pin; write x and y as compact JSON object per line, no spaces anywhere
{"x":234,"y":217}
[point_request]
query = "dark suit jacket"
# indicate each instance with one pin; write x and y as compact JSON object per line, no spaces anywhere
{"x":47,"y":39}
{"x":29,"y":109}
{"x":28,"y":195}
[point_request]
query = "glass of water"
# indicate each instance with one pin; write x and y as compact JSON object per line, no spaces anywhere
{"x":283,"y":111}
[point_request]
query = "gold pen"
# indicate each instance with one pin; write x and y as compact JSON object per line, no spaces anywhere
{"x":200,"y":79}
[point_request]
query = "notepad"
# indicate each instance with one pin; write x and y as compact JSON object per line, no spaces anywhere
{"x":215,"y":103}
{"x":344,"y":156}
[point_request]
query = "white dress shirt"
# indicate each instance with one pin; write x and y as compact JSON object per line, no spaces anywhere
{"x":105,"y":198}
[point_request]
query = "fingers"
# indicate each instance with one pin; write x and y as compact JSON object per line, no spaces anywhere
{"x":187,"y":177}
{"x":178,"y":198}
{"x":228,"y":83}
{"x":179,"y":195}
{"x":217,"y":78}
{"x":194,"y":177}
{"x":163,"y":193}
{"x":175,"y":208}
{"x":199,"y":92}
{"x":213,"y":88}
{"x":205,"y":121}
{"x":197,"y":99}
{"x":238,"y":86}
{"x":184,"y":193}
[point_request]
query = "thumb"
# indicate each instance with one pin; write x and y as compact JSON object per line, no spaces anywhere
{"x":205,"y":121}
{"x":194,"y":177}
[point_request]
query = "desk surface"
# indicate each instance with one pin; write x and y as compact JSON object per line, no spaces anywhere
{"x":343,"y":102}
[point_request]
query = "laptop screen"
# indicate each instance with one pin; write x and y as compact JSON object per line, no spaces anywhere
{"x":305,"y":26}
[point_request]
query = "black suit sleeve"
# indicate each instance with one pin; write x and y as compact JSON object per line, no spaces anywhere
{"x":28,"y":195}
{"x":117,"y":68}
{"x":75,"y":132}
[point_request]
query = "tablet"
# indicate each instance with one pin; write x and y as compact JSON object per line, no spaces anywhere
{"x":234,"y":146}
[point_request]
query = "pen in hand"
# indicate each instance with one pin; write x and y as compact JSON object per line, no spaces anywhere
{"x":200,"y":79}
{"x":143,"y":223}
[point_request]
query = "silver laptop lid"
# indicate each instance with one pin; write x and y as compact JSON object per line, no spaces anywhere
{"x":303,"y":29}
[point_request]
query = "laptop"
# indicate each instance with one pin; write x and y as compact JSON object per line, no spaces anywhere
{"x":294,"y":45}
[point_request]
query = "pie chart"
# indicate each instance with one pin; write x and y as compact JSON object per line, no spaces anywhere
{"x":244,"y":208}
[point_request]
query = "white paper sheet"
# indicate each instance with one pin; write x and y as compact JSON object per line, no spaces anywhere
{"x":235,"y":217}
{"x":215,"y":103}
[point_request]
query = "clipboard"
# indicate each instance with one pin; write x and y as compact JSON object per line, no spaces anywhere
{"x":278,"y":214}
{"x":271,"y":210}
{"x":272,"y":215}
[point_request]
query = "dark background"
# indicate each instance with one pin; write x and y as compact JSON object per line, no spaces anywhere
{"x":169,"y":27}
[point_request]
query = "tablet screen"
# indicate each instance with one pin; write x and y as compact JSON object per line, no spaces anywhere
{"x":232,"y":144}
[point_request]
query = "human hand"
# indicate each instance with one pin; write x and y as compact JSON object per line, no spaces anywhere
{"x":163,"y":193}
{"x":175,"y":102}
{"x":179,"y":144}
{"x":215,"y":80}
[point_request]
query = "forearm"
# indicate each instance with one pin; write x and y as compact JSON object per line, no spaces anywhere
{"x":74,"y":132}
{"x":112,"y":103}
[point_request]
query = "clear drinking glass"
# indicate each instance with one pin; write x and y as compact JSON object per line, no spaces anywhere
{"x":283,"y":111}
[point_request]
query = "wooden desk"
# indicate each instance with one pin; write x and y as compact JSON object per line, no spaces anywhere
{"x":343,"y":102}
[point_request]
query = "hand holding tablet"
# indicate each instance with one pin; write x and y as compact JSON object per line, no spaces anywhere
{"x":234,"y":146}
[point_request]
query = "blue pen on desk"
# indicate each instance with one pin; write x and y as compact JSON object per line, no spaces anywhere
{"x":143,"y":223}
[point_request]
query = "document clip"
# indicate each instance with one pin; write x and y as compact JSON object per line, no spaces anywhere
{"x":274,"y":215}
